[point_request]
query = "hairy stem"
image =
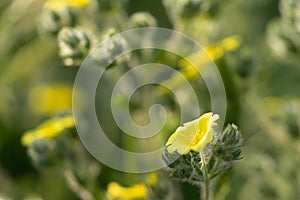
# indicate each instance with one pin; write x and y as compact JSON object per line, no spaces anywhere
{"x":76,"y":187}
{"x":205,"y":193}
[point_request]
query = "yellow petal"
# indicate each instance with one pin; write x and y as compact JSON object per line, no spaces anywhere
{"x":48,"y":129}
{"x":116,"y":191}
{"x":58,"y":5}
{"x":205,"y":140}
{"x":182,"y":137}
{"x":194,"y":135}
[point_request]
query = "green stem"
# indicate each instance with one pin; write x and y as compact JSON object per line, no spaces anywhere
{"x":76,"y":187}
{"x":206,"y":178}
{"x":216,"y":165}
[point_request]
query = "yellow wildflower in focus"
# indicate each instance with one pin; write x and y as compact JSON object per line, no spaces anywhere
{"x":194,"y":135}
{"x":116,"y":191}
{"x":58,"y":5}
{"x":48,"y":129}
{"x":50,"y":99}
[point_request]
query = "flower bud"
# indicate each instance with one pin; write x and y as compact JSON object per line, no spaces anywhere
{"x":283,"y":34}
{"x":191,"y":7}
{"x":52,"y":21}
{"x":229,"y":145}
{"x":74,"y":45}
{"x":47,"y":152}
{"x":112,"y":46}
{"x":141,"y":19}
{"x":41,"y":152}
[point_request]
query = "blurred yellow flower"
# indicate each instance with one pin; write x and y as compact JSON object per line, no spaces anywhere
{"x":211,"y":53}
{"x":152,"y":179}
{"x":50,"y":99}
{"x":116,"y":191}
{"x":231,"y":43}
{"x":49,"y":129}
{"x":194,"y":135}
{"x":58,"y":5}
{"x":190,"y":65}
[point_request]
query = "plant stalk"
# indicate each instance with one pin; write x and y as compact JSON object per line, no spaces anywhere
{"x":205,"y":194}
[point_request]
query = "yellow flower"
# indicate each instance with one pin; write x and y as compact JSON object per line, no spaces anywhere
{"x":50,"y":99}
{"x":211,"y":53}
{"x":58,"y":5}
{"x":231,"y":43}
{"x":48,"y":129}
{"x":189,"y":66}
{"x":116,"y":191}
{"x":152,"y":179}
{"x":194,"y":135}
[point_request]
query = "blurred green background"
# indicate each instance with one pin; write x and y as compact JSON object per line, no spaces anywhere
{"x":261,"y":77}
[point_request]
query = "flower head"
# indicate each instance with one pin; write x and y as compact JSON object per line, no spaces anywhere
{"x":194,"y":135}
{"x":48,"y":129}
{"x":116,"y":191}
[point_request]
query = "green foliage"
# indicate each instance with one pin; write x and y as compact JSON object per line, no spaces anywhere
{"x":261,"y":79}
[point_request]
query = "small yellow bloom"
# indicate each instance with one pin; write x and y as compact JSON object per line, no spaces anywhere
{"x":116,"y":191}
{"x":190,"y":66}
{"x":50,"y":99}
{"x":194,"y":135}
{"x":231,"y":43}
{"x":152,"y":179}
{"x":211,"y":53}
{"x":58,"y":5}
{"x":48,"y":129}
